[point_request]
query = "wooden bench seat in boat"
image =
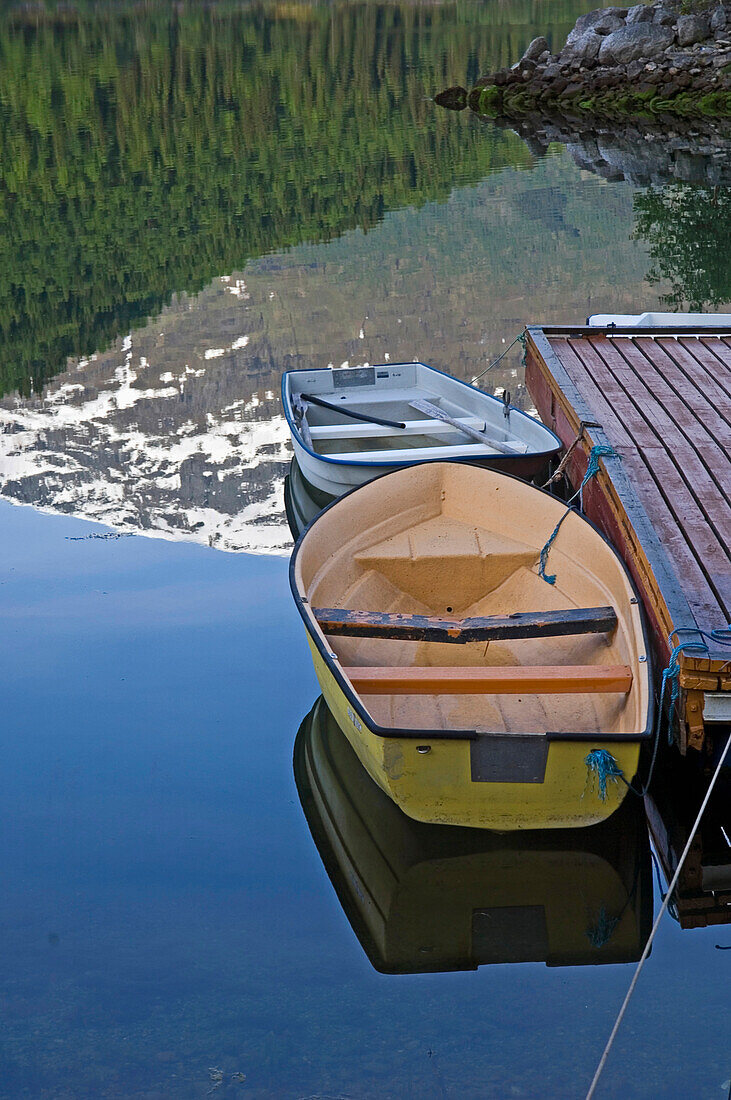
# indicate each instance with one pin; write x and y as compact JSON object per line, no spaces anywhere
{"x":428,"y":628}
{"x":411,"y":427}
{"x":497,"y":680}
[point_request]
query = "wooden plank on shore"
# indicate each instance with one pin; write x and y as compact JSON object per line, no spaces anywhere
{"x":426,"y":628}
{"x":497,"y":680}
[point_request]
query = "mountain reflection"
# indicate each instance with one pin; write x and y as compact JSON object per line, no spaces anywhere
{"x":427,"y":897}
{"x":171,"y":433}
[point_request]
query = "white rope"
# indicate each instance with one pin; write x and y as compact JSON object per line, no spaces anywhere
{"x":659,"y":917}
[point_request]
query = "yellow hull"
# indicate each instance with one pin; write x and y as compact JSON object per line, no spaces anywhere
{"x":437,"y":786}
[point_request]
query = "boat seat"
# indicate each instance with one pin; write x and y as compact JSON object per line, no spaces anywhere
{"x":496,"y":680}
{"x":346,"y":622}
{"x":445,"y":562}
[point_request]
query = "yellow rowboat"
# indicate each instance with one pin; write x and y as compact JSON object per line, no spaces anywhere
{"x":474,"y":692}
{"x":424,"y":898}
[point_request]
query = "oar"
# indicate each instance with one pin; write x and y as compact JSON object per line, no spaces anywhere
{"x":438,"y":414}
{"x":368,"y":419}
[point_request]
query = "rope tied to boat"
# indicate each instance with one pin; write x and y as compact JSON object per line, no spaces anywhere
{"x":521,"y":339}
{"x":599,"y":450}
{"x":601,"y":764}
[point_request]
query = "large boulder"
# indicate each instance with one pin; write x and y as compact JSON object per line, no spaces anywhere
{"x":640,"y":13}
{"x":693,"y":28}
{"x":537,"y":47}
{"x":609,"y":22}
{"x":587,"y":22}
{"x":583,"y":48}
{"x":718,"y":19}
{"x":638,"y":40}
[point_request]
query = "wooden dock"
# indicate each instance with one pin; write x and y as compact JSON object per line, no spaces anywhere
{"x":661,"y":399}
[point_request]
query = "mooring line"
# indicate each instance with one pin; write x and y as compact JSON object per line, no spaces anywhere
{"x":648,"y":945}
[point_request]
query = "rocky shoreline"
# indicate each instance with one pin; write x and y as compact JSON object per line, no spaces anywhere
{"x":647,"y":60}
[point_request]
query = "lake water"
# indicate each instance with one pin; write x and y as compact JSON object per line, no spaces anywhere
{"x":191,"y":202}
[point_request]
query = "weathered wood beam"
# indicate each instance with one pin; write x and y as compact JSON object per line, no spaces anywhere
{"x":427,"y":628}
{"x":498,"y":680}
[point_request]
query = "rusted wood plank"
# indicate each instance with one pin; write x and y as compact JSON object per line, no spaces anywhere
{"x":426,"y":628}
{"x":697,"y":349}
{"x":694,"y":413}
{"x":613,"y":501}
{"x":587,"y":368}
{"x":599,"y":409}
{"x":702,"y":464}
{"x":499,"y":680}
{"x":720,"y":351}
{"x":682,"y":367}
{"x":703,"y":542}
{"x":629,"y":510}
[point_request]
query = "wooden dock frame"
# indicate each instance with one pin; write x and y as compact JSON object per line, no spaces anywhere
{"x":561,"y":368}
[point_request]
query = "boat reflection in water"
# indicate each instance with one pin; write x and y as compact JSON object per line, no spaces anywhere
{"x":703,"y":894}
{"x":302,"y":501}
{"x":436,"y":898}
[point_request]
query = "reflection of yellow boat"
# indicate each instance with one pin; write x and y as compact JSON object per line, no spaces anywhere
{"x":472,"y":690}
{"x":424,"y":897}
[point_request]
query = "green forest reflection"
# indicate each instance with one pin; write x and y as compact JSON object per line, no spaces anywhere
{"x":684,"y":226}
{"x":144,"y":152}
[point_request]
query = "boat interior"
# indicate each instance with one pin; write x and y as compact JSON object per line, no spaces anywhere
{"x":389,"y":393}
{"x":449,"y":625}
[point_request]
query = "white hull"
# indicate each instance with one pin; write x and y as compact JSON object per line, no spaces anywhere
{"x":341,"y":453}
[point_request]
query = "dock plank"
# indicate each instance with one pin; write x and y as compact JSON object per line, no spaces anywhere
{"x":664,"y":403}
{"x":678,"y":526}
{"x":700,"y":421}
{"x":709,"y":482}
{"x":652,"y":428}
{"x":701,"y":385}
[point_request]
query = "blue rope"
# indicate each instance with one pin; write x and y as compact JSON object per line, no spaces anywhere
{"x":602,"y":764}
{"x":599,"y":450}
{"x":722,"y":635}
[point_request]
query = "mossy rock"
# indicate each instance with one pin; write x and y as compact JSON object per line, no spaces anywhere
{"x":489,"y":101}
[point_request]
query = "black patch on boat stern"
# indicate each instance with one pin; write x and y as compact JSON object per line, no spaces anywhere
{"x":509,"y":758}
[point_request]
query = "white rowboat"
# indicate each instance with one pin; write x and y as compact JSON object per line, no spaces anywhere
{"x":352,"y":424}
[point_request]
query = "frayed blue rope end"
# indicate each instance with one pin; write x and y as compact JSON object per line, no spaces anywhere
{"x":602,"y":764}
{"x":599,"y":450}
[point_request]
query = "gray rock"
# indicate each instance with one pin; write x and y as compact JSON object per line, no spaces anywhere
{"x":586,"y":22}
{"x":718,"y":19}
{"x":536,"y":48}
{"x":584,"y":47}
{"x":607,"y":24}
{"x":693,"y":28}
{"x":551,"y":71}
{"x":634,"y":69}
{"x":635,"y":41}
{"x":640,"y":13}
{"x":664,"y":17}
{"x":544,"y":58}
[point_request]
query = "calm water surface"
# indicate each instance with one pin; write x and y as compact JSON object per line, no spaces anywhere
{"x":189,"y":204}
